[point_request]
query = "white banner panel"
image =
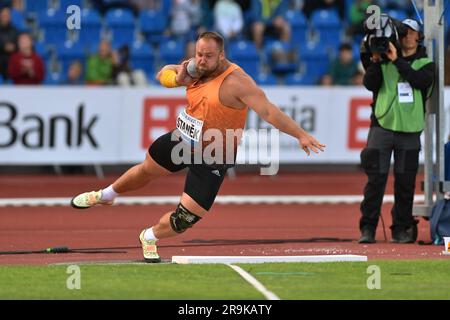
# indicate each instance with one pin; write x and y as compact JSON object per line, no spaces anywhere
{"x":85,"y":125}
{"x":63,"y":125}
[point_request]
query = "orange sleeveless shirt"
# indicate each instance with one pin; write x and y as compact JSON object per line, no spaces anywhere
{"x":204,"y":104}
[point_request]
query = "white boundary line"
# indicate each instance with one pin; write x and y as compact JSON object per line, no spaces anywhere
{"x":255,"y":283}
{"x":231,"y":199}
{"x":266,"y":259}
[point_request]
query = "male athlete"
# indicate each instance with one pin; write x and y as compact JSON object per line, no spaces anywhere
{"x":218,"y":100}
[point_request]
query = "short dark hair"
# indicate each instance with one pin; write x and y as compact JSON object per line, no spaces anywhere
{"x":214,"y":36}
{"x":345,"y":46}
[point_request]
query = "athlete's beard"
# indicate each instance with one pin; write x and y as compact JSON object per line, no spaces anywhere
{"x":208,"y":72}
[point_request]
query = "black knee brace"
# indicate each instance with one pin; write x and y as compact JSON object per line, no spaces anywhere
{"x":182,"y":219}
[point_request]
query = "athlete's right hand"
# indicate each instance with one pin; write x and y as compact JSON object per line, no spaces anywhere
{"x":183,"y":77}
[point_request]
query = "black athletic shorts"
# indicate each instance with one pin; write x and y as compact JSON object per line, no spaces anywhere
{"x":203,"y":180}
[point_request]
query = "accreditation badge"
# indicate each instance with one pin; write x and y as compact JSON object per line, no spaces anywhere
{"x":405,"y":93}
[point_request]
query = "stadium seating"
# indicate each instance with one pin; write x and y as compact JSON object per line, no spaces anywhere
{"x":280,"y":48}
{"x":315,"y":58}
{"x":315,"y":39}
{"x":328,"y":26}
{"x":122,"y":25}
{"x":171,"y":52}
{"x":246,"y":55}
{"x":142,"y":57}
{"x":53,"y":24}
{"x":53,"y":78}
{"x":397,"y":14}
{"x":35,"y":5}
{"x":152,"y":24}
{"x":64,"y":4}
{"x":41,"y":48}
{"x":299,"y":26}
{"x":300,"y":79}
{"x":90,"y":33}
{"x":18,"y":20}
{"x":266,"y":79}
{"x":67,"y":52}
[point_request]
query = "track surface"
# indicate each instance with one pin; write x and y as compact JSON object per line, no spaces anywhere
{"x":226,"y":230}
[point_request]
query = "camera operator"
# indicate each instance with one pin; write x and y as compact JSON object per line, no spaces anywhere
{"x":401,"y":81}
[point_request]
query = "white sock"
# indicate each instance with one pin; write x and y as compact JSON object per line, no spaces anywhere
{"x":149,"y":235}
{"x":109,"y":194}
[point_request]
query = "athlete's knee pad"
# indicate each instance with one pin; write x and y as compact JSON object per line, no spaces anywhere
{"x":182,"y":219}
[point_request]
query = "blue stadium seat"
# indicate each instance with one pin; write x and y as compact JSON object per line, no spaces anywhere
{"x":122,"y":24}
{"x":315,"y":59}
{"x":281,"y":48}
{"x":299,"y":25}
{"x":152,"y":23}
{"x":166,"y":7}
{"x":300,"y":79}
{"x":18,"y":20}
{"x":35,"y":5}
{"x":245,"y":54}
{"x":53,"y":78}
{"x":397,"y":14}
{"x":42,"y":50}
{"x":328,"y":25}
{"x":90,"y":32}
{"x":325,"y":18}
{"x":54,"y":25}
{"x":142,"y":57}
{"x":171,"y":51}
{"x":266,"y":79}
{"x":69,"y":52}
{"x":63,"y":4}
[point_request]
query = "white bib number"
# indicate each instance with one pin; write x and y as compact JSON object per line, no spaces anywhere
{"x":190,"y":127}
{"x":405,"y":93}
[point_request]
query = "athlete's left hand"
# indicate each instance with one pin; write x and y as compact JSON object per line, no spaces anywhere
{"x":308,"y":143}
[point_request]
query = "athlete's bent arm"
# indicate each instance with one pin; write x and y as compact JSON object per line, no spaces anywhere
{"x":255,"y":98}
{"x":182,"y":77}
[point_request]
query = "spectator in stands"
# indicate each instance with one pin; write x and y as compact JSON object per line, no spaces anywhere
{"x":326,"y":80}
{"x":17,"y":5}
{"x":25,"y":66}
{"x":358,"y":78}
{"x":282,"y":58}
{"x":357,"y":16}
{"x":269,"y":21}
{"x":123,"y":74}
{"x":74,"y":74}
{"x":228,"y":18}
{"x":312,"y":5}
{"x":186,"y":19}
{"x":8,"y":40}
{"x":99,"y":67}
{"x":344,"y":66}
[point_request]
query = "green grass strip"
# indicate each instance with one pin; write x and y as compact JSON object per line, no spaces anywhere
{"x":420,"y":279}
